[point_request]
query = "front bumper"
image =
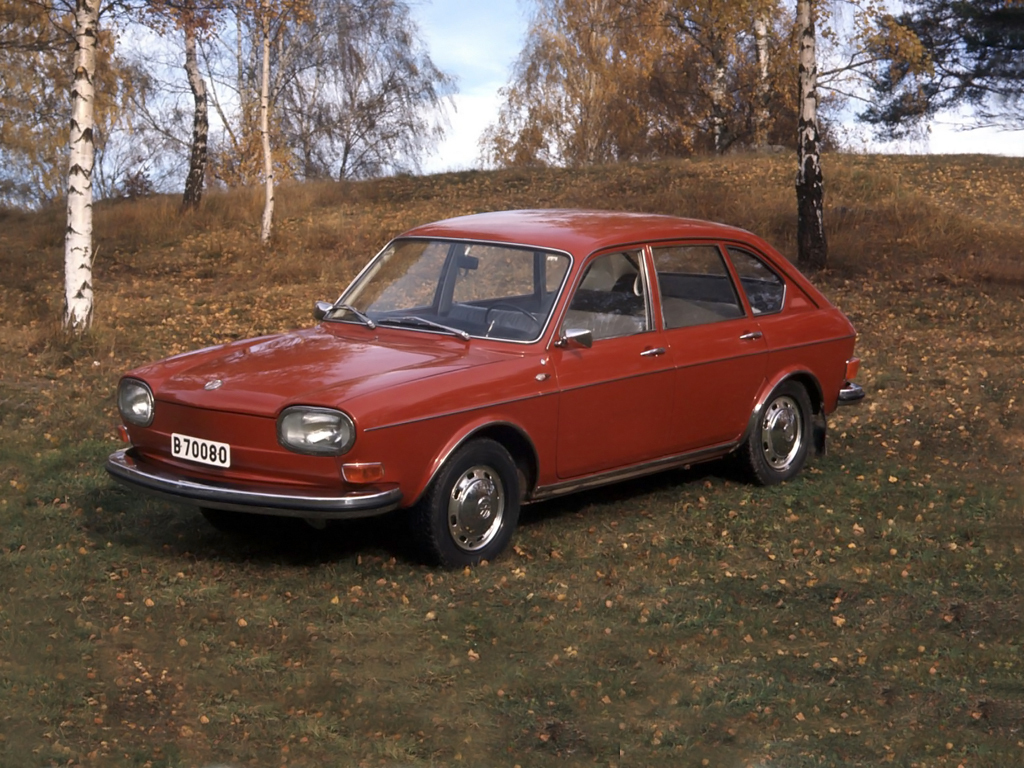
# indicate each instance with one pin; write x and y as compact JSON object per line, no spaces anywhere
{"x":850,"y":393}
{"x":125,"y":467}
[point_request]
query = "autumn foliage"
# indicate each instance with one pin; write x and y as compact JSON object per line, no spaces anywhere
{"x":867,"y":613}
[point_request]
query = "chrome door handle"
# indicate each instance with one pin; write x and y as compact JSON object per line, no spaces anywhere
{"x":752,"y":336}
{"x":653,"y":352}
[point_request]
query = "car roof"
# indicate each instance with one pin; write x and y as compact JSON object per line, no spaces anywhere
{"x":577,"y":231}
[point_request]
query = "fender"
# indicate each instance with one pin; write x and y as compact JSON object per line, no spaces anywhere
{"x":814,"y":393}
{"x":471,"y":430}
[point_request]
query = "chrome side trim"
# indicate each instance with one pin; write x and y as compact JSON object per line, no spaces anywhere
{"x":124,"y":467}
{"x":851,"y":394}
{"x":638,"y":470}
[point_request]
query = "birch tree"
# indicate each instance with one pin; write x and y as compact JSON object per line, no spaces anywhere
{"x":260,"y":38}
{"x":606,"y":80}
{"x":33,"y":113}
{"x":581,"y":86}
{"x":761,"y":114}
{"x":268,"y":158}
{"x":195,"y":180}
{"x":812,"y":247}
{"x":192,"y":19}
{"x":78,"y":246}
{"x":365,"y":98}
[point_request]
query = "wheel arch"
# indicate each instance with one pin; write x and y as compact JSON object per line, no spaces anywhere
{"x":801,"y":376}
{"x":511,"y":437}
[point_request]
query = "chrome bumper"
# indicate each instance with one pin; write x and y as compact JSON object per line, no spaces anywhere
{"x":124,"y":467}
{"x":851,"y":393}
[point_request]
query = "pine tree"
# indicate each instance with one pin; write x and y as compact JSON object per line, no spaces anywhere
{"x":975,"y":53}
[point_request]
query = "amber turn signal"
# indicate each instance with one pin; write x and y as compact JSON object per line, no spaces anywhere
{"x":852,"y":366}
{"x":371,"y":472}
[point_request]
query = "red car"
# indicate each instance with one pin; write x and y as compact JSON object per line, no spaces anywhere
{"x":488,"y":361}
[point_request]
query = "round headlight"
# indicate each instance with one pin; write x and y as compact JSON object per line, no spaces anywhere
{"x":135,"y":402}
{"x":318,"y":431}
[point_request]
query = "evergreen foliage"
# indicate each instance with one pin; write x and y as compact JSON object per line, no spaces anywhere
{"x":975,"y":52}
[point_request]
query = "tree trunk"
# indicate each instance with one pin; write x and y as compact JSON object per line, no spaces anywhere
{"x":268,"y":160}
{"x":718,"y":107}
{"x":761,"y":114}
{"x":812,"y":250}
{"x":200,"y":126}
{"x":78,"y":252}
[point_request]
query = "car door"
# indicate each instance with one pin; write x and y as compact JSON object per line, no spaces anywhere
{"x":615,"y":396}
{"x":715,"y":347}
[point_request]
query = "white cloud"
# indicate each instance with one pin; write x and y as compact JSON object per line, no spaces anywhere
{"x":946,"y":138}
{"x":477,"y":43}
{"x":460,"y":150}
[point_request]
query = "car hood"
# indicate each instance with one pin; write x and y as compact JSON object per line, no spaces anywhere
{"x":324,"y":366}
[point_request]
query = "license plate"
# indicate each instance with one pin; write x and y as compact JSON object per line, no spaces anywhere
{"x":203,"y":451}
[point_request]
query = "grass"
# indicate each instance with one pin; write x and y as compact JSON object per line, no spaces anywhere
{"x":868,"y":612}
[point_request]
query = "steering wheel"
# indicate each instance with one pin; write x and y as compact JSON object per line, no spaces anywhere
{"x":514,"y":308}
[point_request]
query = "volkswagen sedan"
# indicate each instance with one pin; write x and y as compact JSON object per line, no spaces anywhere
{"x":489,"y":361}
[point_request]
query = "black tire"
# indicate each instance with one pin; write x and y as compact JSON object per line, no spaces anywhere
{"x":228,"y":521}
{"x":777,"y":447}
{"x":471,"y":509}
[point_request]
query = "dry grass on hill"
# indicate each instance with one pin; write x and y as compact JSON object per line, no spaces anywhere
{"x":868,"y":612}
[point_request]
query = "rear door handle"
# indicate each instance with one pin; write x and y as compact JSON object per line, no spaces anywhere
{"x":653,"y":352}
{"x":752,"y":336}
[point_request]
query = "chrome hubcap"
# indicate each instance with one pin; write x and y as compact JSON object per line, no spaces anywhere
{"x":781,"y":433}
{"x":475,"y":508}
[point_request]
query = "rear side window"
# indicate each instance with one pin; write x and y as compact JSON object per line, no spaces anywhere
{"x":765,"y":290}
{"x":695,"y":286}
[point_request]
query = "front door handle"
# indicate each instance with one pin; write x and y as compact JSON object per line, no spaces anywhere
{"x":752,"y":336}
{"x":653,"y":352}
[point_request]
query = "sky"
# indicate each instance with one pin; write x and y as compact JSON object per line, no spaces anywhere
{"x":478,"y":43}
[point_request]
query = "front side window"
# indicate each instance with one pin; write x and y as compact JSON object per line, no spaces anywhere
{"x":765,"y":290}
{"x":612,"y":298}
{"x":695,"y":286}
{"x":476,"y":289}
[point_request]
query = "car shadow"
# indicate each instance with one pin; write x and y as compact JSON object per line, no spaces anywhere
{"x":168,"y":529}
{"x":116,"y":516}
{"x":631,"y":490}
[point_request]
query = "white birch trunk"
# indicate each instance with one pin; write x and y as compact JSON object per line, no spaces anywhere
{"x":200,"y":126}
{"x":78,"y":252}
{"x":718,"y":108}
{"x":812,"y":249}
{"x":761,"y":115}
{"x":268,"y":160}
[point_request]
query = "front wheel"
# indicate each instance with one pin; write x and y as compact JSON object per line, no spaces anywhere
{"x":470,"y":511}
{"x":777,"y":447}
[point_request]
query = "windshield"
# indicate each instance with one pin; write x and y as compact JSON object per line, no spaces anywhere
{"x":480,"y":289}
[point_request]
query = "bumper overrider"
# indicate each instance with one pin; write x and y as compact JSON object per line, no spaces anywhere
{"x":850,"y":393}
{"x":126,"y":467}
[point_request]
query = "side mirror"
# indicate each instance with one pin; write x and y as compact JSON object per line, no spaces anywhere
{"x":576,"y":337}
{"x":321,"y":309}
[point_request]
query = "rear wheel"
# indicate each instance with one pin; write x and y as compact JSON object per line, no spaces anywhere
{"x":471,"y":510}
{"x":777,"y":447}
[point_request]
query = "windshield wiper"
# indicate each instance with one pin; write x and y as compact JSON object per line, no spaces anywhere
{"x":364,"y":318}
{"x":417,"y":320}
